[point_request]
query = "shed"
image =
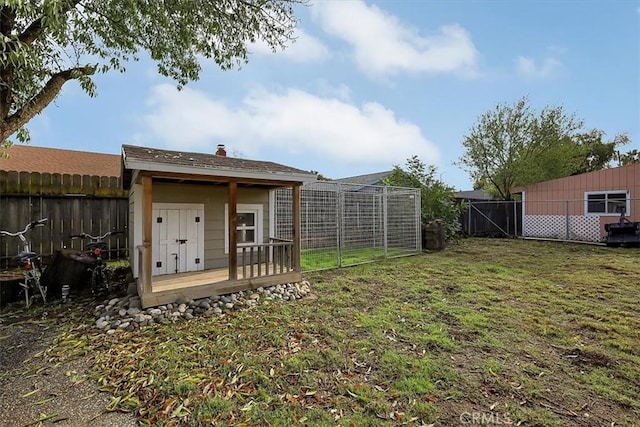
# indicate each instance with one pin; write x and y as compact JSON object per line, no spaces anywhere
{"x":201,"y":224}
{"x":578,"y":207}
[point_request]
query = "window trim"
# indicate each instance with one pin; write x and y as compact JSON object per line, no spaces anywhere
{"x":606,"y":194}
{"x":256,"y":208}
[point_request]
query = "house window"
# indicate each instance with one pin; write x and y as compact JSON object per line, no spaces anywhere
{"x":248,"y":225}
{"x":607,"y":203}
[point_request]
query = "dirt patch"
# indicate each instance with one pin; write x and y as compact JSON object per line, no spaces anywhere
{"x":585,"y":357}
{"x":33,"y":391}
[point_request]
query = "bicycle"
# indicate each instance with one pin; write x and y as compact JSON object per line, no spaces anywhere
{"x":32,"y":264}
{"x":100,"y":281}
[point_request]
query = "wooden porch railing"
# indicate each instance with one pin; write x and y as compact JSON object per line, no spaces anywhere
{"x":267,"y":259}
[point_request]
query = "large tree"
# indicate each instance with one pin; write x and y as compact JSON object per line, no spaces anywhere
{"x":45,"y":43}
{"x":514,"y":145}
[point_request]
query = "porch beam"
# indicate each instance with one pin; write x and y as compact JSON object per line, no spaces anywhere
{"x":147,"y":213}
{"x":296,"y":208}
{"x":221,"y":179}
{"x":233,"y":226}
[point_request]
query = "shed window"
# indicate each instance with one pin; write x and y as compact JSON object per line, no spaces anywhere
{"x":248,"y":225}
{"x":607,"y":203}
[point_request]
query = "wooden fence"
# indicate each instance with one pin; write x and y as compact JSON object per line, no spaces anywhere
{"x":72,"y":203}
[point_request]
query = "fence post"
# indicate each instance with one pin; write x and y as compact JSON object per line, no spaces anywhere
{"x":515,"y":218}
{"x":469,"y":219}
{"x":339,"y":223}
{"x":385,"y":194}
{"x":418,"y":209}
{"x":566,"y":211}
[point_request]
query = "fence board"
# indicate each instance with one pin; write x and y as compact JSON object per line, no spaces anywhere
{"x":66,"y":184}
{"x":67,"y":215}
{"x":13,"y":182}
{"x":3,"y":181}
{"x":24,"y":183}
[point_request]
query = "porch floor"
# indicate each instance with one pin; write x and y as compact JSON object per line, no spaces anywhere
{"x":167,"y":282}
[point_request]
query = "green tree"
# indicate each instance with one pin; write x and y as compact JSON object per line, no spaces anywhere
{"x":319,"y":176}
{"x":632,"y":156}
{"x":514,"y":145}
{"x":46,"y":43}
{"x":436,"y":197}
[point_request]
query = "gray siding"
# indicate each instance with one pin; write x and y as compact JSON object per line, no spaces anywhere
{"x":214,"y":199}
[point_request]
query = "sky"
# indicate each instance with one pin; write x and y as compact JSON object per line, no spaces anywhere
{"x":368,"y":84}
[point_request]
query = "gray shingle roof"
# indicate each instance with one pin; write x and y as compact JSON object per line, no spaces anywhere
{"x":368,"y":179}
{"x":204,"y":161}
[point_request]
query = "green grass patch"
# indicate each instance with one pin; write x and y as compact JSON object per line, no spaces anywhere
{"x":536,"y":333}
{"x":322,"y":259}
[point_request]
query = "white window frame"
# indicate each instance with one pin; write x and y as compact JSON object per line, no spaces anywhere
{"x":256,"y":209}
{"x":606,"y":193}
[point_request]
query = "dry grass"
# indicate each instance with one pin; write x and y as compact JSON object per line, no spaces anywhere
{"x":513,"y":331}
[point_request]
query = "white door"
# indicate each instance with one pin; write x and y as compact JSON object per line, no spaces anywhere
{"x":178,"y":241}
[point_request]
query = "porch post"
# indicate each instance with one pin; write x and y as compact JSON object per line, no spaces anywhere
{"x":297,"y":204}
{"x":147,"y":213}
{"x":233,"y":225}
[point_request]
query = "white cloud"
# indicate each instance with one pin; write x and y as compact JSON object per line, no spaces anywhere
{"x":294,"y":122}
{"x":383,"y":45}
{"x":546,"y":68}
{"x":303,"y":49}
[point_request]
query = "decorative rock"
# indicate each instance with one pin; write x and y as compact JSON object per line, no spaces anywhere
{"x":102,"y":324}
{"x":135,"y":302}
{"x":126,"y":313}
{"x":132,"y":289}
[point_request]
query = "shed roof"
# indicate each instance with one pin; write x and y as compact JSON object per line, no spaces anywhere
{"x":28,"y":158}
{"x":153,"y":159}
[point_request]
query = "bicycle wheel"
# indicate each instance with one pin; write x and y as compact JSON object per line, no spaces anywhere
{"x":34,"y":290}
{"x":99,"y":282}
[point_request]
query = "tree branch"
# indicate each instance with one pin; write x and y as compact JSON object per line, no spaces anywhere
{"x":37,"y":27}
{"x":36,"y":104}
